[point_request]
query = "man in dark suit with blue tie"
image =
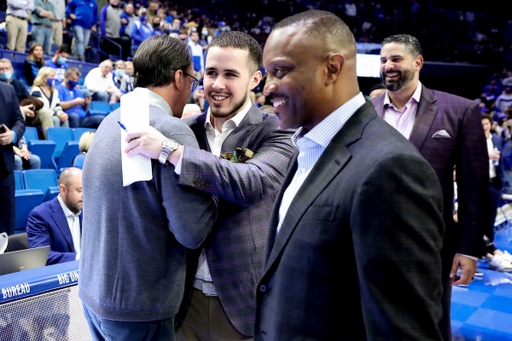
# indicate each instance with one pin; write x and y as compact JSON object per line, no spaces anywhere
{"x":353,"y":247}
{"x":58,"y":222}
{"x":12,"y":128}
{"x":447,"y":131}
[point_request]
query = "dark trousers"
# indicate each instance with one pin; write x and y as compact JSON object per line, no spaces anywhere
{"x":7,"y":203}
{"x":445,"y":325}
{"x":103,"y":329}
{"x":207,"y":321}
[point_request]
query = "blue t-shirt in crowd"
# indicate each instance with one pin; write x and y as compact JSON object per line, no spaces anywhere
{"x":60,"y":70}
{"x":66,"y":95}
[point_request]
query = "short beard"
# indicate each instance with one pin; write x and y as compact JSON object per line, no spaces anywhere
{"x":219,"y":114}
{"x":405,"y":78}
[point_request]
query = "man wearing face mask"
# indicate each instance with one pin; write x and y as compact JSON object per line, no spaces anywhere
{"x":6,"y":75}
{"x":58,"y":62}
{"x":156,"y":26}
{"x":74,"y":103}
{"x":204,"y":40}
{"x":140,"y":30}
{"x":120,"y":78}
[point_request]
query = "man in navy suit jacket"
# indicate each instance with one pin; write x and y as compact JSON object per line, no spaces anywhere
{"x":447,"y":131}
{"x":353,"y":245}
{"x":58,"y":222}
{"x":12,"y":121}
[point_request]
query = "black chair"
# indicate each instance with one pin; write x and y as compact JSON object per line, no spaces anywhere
{"x":18,"y":241}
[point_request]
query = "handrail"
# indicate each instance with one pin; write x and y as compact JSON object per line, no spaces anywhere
{"x":100,"y":51}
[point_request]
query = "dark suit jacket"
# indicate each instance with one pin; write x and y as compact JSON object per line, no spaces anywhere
{"x":357,"y":256}
{"x":10,"y":115}
{"x":47,"y":225}
{"x":246,"y":192}
{"x":466,"y":149}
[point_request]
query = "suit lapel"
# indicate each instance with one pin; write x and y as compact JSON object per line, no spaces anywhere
{"x":246,"y":126}
{"x":425,"y":115}
{"x":62,"y":223}
{"x":330,"y":163}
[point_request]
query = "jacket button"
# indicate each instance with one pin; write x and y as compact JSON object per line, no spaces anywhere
{"x":263,"y":288}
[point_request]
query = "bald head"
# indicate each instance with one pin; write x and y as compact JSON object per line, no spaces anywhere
{"x":70,"y":187}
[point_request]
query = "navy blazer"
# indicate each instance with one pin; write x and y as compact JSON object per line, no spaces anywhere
{"x":10,"y":115}
{"x":47,"y":225}
{"x":357,"y":256}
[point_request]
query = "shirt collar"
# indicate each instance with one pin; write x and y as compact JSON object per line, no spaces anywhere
{"x":67,"y":211}
{"x":415,"y":96}
{"x":324,"y":132}
{"x":158,"y":101}
{"x":237,"y":119}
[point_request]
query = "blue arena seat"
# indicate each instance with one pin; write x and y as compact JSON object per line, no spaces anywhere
{"x":60,"y":136}
{"x":44,"y":149}
{"x":80,"y":131}
{"x":18,"y":178}
{"x":31,"y":134}
{"x":65,"y":160}
{"x":99,"y":108}
{"x":42,"y":179}
{"x":115,"y":106}
{"x":26,"y":201}
{"x":78,"y":161}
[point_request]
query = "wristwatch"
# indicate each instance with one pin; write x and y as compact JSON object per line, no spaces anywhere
{"x":168,"y":146}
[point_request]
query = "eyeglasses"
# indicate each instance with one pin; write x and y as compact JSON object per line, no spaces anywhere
{"x":195,"y":81}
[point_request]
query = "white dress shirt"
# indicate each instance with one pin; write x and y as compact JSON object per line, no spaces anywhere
{"x":312,"y":145}
{"x":73,"y":224}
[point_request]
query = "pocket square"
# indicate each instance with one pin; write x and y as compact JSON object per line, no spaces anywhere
{"x":441,"y":134}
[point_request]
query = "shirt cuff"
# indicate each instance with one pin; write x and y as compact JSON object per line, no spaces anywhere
{"x":177,"y":169}
{"x":15,"y":137}
{"x":470,"y":257}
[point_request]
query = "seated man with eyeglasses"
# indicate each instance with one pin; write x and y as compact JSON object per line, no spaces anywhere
{"x":99,"y":82}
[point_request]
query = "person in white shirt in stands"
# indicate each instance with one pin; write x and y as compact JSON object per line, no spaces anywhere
{"x":99,"y":82}
{"x":58,"y":222}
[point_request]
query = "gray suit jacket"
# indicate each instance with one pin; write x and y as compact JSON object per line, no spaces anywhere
{"x":358,"y":253}
{"x":246,"y":192}
{"x":465,"y":148}
{"x":134,"y":238}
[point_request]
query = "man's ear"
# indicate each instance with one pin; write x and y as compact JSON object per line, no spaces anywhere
{"x":334,"y":66}
{"x":179,"y":78}
{"x":256,"y":79}
{"x":418,"y":63}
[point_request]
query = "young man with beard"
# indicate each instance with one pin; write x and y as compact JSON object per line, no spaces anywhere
{"x":447,"y":131}
{"x":225,"y":272}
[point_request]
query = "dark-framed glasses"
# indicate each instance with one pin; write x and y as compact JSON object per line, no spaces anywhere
{"x":195,"y":81}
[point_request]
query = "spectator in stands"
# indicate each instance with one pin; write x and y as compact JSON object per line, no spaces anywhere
{"x":85,"y":141}
{"x":129,"y":70}
{"x":161,"y":14}
{"x":127,"y":19}
{"x":60,"y":21}
{"x":44,"y":90}
{"x":190,"y":110}
{"x":33,"y":62}
{"x":505,"y":99}
{"x":110,"y":22}
{"x":496,"y":259}
{"x":58,"y":222}
{"x":205,"y":39}
{"x":42,"y":16}
{"x":13,"y":128}
{"x":6,"y":75}
{"x":120,"y":78}
{"x":84,"y":16}
{"x":260,"y":99}
{"x":58,"y":62}
{"x":197,"y":54}
{"x":176,"y":25}
{"x":140,"y":31}
{"x":152,"y":10}
{"x":198,"y":98}
{"x":184,"y":35}
{"x":99,"y":82}
{"x":155,"y":24}
{"x":16,"y":23}
{"x":74,"y":103}
{"x":23,"y":159}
